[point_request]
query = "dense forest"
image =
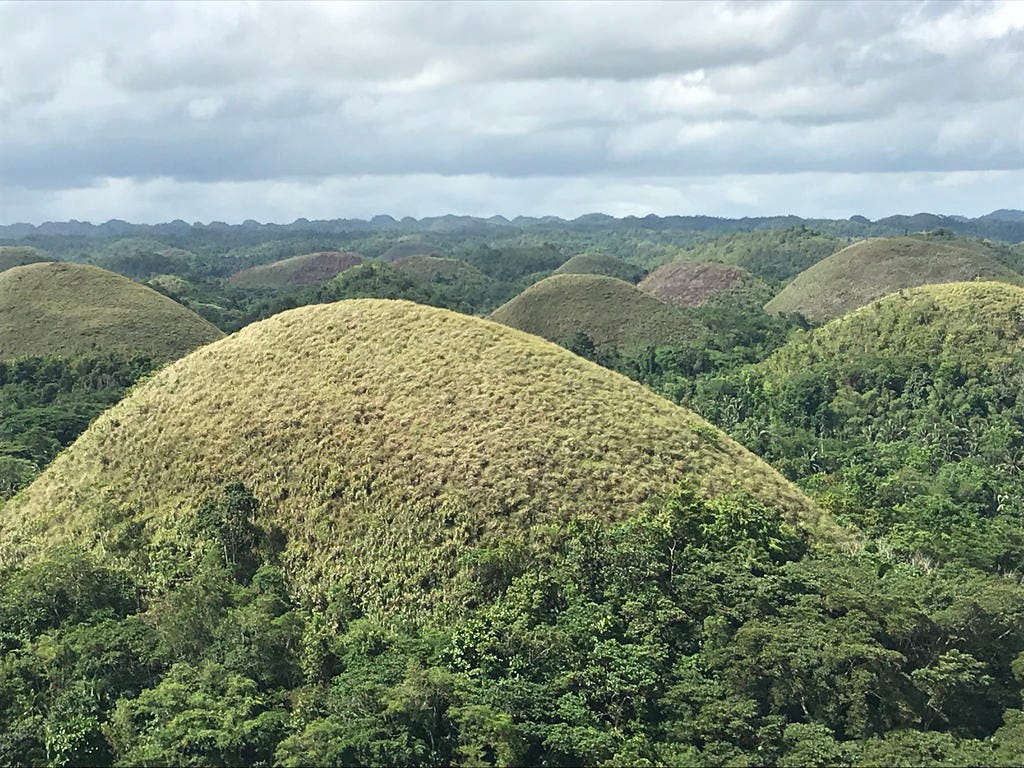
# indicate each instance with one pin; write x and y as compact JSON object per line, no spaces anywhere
{"x":609,"y":579}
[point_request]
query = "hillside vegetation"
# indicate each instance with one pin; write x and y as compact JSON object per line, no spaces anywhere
{"x":72,"y":309}
{"x":598,"y":264}
{"x":904,"y":416}
{"x":298,"y":271}
{"x":610,"y":312}
{"x":870,"y":269}
{"x":383,"y":438}
{"x":406,"y":248}
{"x":775,"y":255}
{"x":694,"y":284}
{"x":19,"y":255}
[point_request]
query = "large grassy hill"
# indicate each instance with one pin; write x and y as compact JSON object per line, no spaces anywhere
{"x":598,"y":264}
{"x":55,"y":308}
{"x":694,"y":284}
{"x":297,"y":272}
{"x":610,"y":311}
{"x":776,"y":255}
{"x":19,"y":255}
{"x":870,"y":269}
{"x":385,"y":438}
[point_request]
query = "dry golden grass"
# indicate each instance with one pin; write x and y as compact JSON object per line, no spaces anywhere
{"x":610,"y":311}
{"x":384,"y":437}
{"x":55,"y":308}
{"x":695,"y":283}
{"x":870,"y":269}
{"x":298,"y":271}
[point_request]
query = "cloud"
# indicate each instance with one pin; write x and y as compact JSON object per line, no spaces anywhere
{"x":222,"y":96}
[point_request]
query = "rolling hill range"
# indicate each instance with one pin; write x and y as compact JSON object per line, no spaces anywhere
{"x":384,"y":438}
{"x":597,"y":264}
{"x":694,"y":284}
{"x":610,"y":311}
{"x":19,"y":255}
{"x":405,"y":248}
{"x":870,"y":269}
{"x":53,"y":308}
{"x":297,"y":272}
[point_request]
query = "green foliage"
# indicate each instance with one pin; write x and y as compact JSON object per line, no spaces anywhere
{"x":600,"y":264}
{"x":775,"y":255}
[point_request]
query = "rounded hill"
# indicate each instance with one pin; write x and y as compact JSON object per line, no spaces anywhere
{"x":870,"y":269}
{"x":19,"y":255}
{"x":55,"y":308}
{"x":694,"y":284}
{"x":386,"y":439}
{"x":443,"y":270}
{"x":610,"y":311}
{"x":597,"y":264}
{"x":298,"y":271}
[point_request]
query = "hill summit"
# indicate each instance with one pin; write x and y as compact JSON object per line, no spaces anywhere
{"x":298,"y":271}
{"x":386,"y":439}
{"x":56,"y":308}
{"x":694,"y":283}
{"x":870,"y":269}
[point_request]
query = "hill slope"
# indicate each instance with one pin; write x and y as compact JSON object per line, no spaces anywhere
{"x":903,"y":415}
{"x":384,"y":438}
{"x":19,"y":255}
{"x":597,"y":264}
{"x":298,"y":271}
{"x":55,"y":308}
{"x":869,"y":269}
{"x":610,"y":311}
{"x":693,"y":284}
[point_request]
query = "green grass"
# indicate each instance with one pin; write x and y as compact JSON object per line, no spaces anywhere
{"x":610,"y":311}
{"x":384,"y":438}
{"x":299,"y":271}
{"x":598,"y":264}
{"x":870,"y":269}
{"x":63,"y":309}
{"x":694,"y":284}
{"x":19,"y":255}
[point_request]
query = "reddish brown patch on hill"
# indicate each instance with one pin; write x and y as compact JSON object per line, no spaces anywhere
{"x":306,"y":270}
{"x":691,"y":283}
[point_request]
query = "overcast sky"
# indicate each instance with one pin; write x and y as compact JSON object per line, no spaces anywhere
{"x":273,"y":111}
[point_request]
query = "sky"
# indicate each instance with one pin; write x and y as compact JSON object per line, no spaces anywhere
{"x":273,"y":111}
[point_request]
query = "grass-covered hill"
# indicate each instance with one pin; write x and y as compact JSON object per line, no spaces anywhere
{"x":870,"y":269}
{"x":63,"y":309}
{"x":386,"y":439}
{"x":598,"y":264}
{"x":694,"y":284}
{"x":906,"y":416}
{"x":609,"y":311}
{"x":299,"y":271}
{"x":19,"y":255}
{"x":775,"y":255}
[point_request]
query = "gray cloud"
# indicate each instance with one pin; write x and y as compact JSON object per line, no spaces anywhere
{"x":581,"y":97}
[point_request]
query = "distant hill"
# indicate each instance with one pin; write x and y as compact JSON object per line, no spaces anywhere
{"x":694,"y":284}
{"x":19,"y":255}
{"x":299,"y":271}
{"x":407,"y":248}
{"x":140,"y":258}
{"x":609,"y":311}
{"x":597,"y":264}
{"x":387,"y":440}
{"x":774,"y":255}
{"x":869,"y":269}
{"x":69,"y":309}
